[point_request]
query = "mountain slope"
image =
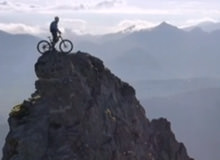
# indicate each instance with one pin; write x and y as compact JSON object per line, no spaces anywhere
{"x":80,"y":110}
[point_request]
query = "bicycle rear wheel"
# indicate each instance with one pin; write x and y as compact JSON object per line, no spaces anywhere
{"x":66,"y":46}
{"x":43,"y":46}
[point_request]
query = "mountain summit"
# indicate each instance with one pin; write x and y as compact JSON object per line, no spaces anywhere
{"x":166,"y":27}
{"x":81,"y":111}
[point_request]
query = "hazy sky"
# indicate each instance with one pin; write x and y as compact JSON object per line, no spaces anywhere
{"x":101,"y":16}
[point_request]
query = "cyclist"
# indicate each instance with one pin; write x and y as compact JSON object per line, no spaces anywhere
{"x":54,"y":30}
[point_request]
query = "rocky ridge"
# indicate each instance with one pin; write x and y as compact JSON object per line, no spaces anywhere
{"x":81,"y":111}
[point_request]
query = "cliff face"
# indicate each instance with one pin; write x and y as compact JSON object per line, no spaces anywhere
{"x":81,"y":111}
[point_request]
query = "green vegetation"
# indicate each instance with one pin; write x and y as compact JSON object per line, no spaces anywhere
{"x":19,"y":111}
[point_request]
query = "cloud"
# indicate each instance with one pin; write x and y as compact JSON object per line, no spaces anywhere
{"x":68,"y":25}
{"x":89,"y":6}
{"x":74,"y":25}
{"x":53,"y":6}
{"x":4,"y":3}
{"x":4,"y":6}
{"x":192,"y":22}
{"x":108,"y":4}
{"x":205,"y":19}
{"x":21,"y":28}
{"x":8,"y":6}
{"x":83,"y":16}
{"x":134,"y":25}
{"x":69,"y":7}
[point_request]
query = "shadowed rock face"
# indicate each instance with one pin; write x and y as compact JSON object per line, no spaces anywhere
{"x":81,"y":111}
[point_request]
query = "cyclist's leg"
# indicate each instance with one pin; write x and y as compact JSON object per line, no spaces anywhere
{"x":55,"y":38}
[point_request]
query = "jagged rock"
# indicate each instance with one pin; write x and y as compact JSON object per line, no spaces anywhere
{"x":81,"y":111}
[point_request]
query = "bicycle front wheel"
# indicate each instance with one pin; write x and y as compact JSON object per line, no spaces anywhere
{"x":43,"y":46}
{"x":66,"y":46}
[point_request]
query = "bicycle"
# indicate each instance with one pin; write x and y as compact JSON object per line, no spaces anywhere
{"x":65,"y":45}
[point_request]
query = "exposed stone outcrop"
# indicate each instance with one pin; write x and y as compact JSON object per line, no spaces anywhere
{"x":81,"y":111}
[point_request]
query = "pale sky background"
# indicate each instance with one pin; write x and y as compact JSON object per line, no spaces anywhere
{"x":103,"y":16}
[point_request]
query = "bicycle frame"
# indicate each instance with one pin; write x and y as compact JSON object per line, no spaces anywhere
{"x":51,"y":40}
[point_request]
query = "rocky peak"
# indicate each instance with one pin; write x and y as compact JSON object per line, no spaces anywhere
{"x":81,"y":111}
{"x":165,"y":27}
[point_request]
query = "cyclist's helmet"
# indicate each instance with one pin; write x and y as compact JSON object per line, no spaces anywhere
{"x":56,"y":18}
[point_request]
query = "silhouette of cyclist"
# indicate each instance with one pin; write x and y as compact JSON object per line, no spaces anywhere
{"x":54,"y":30}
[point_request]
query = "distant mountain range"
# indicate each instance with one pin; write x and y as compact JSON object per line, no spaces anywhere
{"x":163,"y":52}
{"x":207,"y":26}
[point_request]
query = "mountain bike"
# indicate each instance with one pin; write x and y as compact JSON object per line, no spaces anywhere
{"x":65,"y":45}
